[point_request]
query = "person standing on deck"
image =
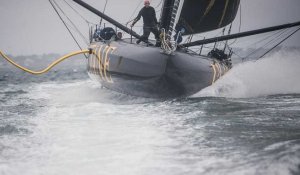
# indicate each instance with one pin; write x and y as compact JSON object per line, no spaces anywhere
{"x":150,"y":23}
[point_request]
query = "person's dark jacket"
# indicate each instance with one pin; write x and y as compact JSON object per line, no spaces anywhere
{"x":149,"y":16}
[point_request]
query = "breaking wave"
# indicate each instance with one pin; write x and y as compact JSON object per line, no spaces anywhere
{"x":272,"y":75}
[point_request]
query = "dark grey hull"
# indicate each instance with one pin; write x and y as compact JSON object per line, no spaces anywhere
{"x":144,"y":71}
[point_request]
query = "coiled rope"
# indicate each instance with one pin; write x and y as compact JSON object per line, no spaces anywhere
{"x":167,"y":45}
{"x":49,"y":67}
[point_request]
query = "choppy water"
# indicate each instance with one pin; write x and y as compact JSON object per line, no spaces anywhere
{"x":64,"y":123}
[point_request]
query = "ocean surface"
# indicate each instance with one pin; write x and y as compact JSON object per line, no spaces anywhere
{"x":63,"y":123}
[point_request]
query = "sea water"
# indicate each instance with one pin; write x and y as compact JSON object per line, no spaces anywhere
{"x":62,"y":122}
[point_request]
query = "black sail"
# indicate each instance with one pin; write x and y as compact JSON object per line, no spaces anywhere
{"x":199,"y":16}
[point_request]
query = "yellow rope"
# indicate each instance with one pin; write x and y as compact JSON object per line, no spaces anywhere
{"x":46,"y":69}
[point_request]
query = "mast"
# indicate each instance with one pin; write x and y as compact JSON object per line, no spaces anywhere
{"x":173,"y":18}
{"x":107,"y":18}
{"x":170,"y":15}
{"x":165,"y":17}
{"x":239,"y":35}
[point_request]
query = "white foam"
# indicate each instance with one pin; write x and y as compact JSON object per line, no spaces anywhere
{"x":276,"y":74}
{"x":76,"y":133}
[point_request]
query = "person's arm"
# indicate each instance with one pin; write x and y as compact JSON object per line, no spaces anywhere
{"x":137,"y":18}
{"x":154,"y":15}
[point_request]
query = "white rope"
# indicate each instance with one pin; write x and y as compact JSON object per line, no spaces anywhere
{"x":168,"y":46}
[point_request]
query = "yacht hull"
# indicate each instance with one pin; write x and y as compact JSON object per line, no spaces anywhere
{"x":144,"y":71}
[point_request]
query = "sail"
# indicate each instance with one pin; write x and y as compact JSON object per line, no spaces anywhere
{"x":199,"y":16}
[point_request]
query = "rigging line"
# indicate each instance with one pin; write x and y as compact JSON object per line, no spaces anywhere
{"x":130,"y":18}
{"x":265,"y":38}
{"x":103,"y":12}
{"x":269,"y":42}
{"x":240,"y":18}
{"x":139,"y":4}
{"x":238,"y":55}
{"x":65,"y":25}
{"x":276,"y":38}
{"x":88,"y":22}
{"x":243,"y":58}
{"x":240,"y":26}
{"x":76,"y":29}
{"x":280,"y":42}
{"x":280,"y":32}
{"x":271,"y":35}
{"x":159,"y":4}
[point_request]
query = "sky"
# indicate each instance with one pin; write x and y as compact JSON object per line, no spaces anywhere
{"x":32,"y":26}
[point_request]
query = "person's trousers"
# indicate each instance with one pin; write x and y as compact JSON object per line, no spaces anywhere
{"x":146,"y":33}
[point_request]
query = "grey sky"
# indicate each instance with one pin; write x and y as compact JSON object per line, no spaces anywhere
{"x":32,"y":26}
